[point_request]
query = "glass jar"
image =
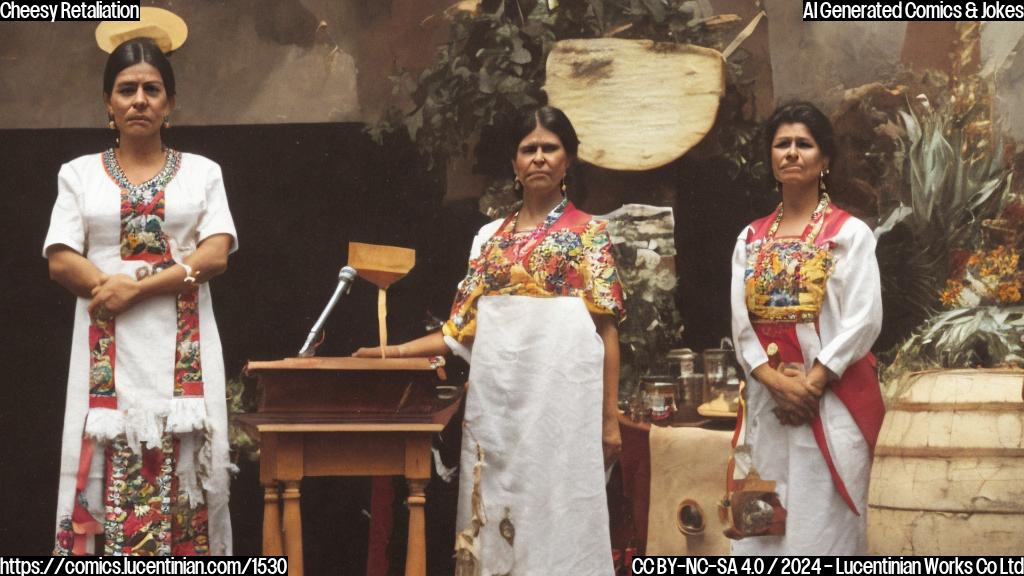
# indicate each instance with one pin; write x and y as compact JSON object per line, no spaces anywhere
{"x":660,"y":398}
{"x":715,"y":362}
{"x":691,"y":390}
{"x":681,"y":361}
{"x":638,"y":405}
{"x":689,"y":397}
{"x":718,"y":368}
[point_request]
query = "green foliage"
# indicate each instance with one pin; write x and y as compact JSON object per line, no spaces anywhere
{"x":955,"y":181}
{"x":494,"y":62}
{"x":950,"y":194}
{"x":985,"y":336}
{"x":642,"y":241}
{"x":239,"y":402}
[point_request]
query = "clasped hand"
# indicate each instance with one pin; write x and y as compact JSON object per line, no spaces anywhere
{"x":797,"y":393}
{"x":113,"y":295}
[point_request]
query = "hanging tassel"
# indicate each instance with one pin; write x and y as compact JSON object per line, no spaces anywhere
{"x":467,"y":551}
{"x":467,"y":562}
{"x":188,"y":475}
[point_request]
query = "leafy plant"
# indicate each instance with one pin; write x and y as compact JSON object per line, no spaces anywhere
{"x":986,"y":336}
{"x":242,"y":443}
{"x":643,"y":243}
{"x":493,"y":65}
{"x":950,"y":193}
{"x":950,"y":240}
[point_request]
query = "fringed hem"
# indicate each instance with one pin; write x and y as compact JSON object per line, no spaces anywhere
{"x":186,"y":471}
{"x":143,"y":426}
{"x":102,"y":425}
{"x":187,"y":415}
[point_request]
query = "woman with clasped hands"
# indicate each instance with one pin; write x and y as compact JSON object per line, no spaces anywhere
{"x":136,"y":234}
{"x":805,"y":280}
{"x":538,"y":312}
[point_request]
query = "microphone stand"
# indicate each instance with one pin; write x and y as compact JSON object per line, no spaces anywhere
{"x":345,"y":278}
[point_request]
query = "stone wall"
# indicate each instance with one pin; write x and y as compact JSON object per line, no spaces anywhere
{"x":817,"y":61}
{"x":245,"y":62}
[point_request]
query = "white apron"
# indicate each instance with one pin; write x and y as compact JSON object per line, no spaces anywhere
{"x":534,"y":405}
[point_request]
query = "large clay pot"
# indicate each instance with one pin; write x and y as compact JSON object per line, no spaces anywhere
{"x":948,"y":473}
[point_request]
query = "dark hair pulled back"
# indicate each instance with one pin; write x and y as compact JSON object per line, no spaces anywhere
{"x":549,"y":118}
{"x":137,"y":51}
{"x":801,"y":112}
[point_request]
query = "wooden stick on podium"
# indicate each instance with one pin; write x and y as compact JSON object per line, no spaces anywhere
{"x":382,"y":266}
{"x":382,"y":320}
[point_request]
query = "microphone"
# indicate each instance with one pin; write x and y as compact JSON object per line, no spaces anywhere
{"x":345,"y":278}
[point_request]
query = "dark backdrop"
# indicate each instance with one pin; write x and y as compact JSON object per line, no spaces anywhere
{"x":298,"y":194}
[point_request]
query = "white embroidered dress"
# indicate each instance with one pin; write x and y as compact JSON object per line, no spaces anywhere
{"x":164,"y":390}
{"x":849,"y":316}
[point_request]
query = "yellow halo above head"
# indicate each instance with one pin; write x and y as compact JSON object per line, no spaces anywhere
{"x":164,"y":27}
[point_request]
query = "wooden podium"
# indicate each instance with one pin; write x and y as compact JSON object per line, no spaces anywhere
{"x":346,"y":417}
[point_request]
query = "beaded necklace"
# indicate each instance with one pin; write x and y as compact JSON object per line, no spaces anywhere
{"x":521,"y":248}
{"x":145,"y":191}
{"x":810,"y":232}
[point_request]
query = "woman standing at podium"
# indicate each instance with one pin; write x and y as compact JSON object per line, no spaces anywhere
{"x":136,"y":233}
{"x":538,"y":313}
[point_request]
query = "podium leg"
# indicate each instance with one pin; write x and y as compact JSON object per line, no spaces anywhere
{"x":293,"y":528}
{"x":272,"y":519}
{"x":416,"y":552}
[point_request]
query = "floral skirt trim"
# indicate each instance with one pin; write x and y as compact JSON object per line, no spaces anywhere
{"x":146,"y":512}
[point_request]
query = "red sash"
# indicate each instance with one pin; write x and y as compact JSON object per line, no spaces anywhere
{"x":857,"y":389}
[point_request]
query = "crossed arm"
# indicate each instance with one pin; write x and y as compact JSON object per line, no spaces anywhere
{"x":116,"y":293}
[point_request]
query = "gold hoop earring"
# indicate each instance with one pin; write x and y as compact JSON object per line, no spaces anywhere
{"x":113,"y":126}
{"x":167,"y":122}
